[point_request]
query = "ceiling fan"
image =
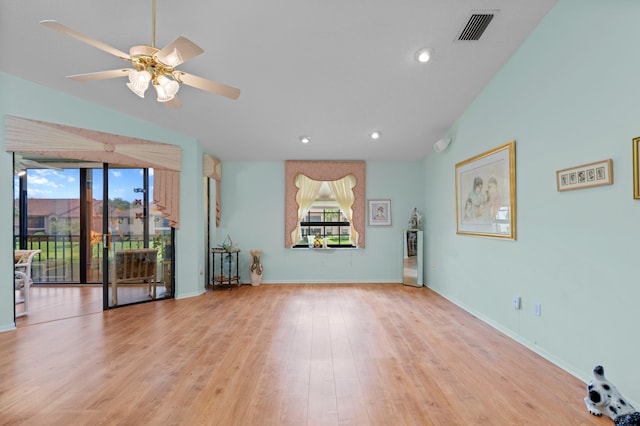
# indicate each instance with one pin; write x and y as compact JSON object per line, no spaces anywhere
{"x":151,"y":65}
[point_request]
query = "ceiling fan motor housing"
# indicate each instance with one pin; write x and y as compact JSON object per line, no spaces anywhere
{"x":143,"y":58}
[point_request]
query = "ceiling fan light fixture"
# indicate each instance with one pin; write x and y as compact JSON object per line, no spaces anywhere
{"x":166,"y":88}
{"x":375,"y":135}
{"x":305,"y":139}
{"x":137,"y":90}
{"x":163,"y":96}
{"x":139,"y":82}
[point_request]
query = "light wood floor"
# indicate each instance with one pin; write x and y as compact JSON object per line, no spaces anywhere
{"x":52,"y":303}
{"x":378,"y":354}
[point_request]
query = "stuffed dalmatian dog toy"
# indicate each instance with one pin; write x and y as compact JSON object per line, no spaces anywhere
{"x":604,"y":398}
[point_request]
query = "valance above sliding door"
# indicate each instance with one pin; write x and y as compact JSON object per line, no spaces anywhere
{"x":60,"y":141}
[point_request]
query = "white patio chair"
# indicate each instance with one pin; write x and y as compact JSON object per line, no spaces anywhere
{"x":21,"y":282}
{"x":22,"y":276}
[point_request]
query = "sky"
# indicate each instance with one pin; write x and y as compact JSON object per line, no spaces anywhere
{"x":49,"y":183}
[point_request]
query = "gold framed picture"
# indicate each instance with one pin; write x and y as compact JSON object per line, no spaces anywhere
{"x":636,"y":170}
{"x":486,"y":194}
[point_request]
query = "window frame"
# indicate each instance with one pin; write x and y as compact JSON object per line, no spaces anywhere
{"x":326,"y":224}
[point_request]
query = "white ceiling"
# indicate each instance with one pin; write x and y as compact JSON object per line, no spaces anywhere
{"x":333,"y":69}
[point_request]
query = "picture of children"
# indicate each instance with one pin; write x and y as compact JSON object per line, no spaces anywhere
{"x":493,"y":197}
{"x":482,"y":206}
{"x":474,"y":206}
{"x":485,"y":189}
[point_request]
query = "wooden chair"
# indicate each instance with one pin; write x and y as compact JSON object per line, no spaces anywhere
{"x":22,"y":276}
{"x":134,"y":266}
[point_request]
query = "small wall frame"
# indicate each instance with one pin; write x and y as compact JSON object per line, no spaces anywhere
{"x":379,"y":212}
{"x":585,"y":176}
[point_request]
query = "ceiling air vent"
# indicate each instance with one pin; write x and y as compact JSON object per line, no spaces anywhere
{"x":478,"y":22}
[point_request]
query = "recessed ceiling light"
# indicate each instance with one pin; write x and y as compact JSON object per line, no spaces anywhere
{"x":305,"y":139}
{"x":375,"y":135}
{"x":423,"y":55}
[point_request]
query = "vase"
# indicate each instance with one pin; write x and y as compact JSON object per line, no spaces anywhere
{"x":255,"y":270}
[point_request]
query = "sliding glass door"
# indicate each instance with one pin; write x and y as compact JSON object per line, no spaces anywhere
{"x":95,"y":224}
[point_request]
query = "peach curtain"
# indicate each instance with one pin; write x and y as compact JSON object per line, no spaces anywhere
{"x":166,"y":195}
{"x":212,"y":168}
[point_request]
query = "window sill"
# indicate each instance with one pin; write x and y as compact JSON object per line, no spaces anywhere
{"x":323,"y":249}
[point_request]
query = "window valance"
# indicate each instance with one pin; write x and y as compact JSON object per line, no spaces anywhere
{"x":60,"y":141}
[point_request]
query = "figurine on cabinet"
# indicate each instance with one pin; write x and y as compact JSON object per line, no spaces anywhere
{"x":416,"y":219}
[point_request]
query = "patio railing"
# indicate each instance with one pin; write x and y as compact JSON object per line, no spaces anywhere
{"x":59,"y":258}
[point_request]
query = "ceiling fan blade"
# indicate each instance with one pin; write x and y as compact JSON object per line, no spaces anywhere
{"x":178,"y":51}
{"x":56,"y":26}
{"x":208,"y":85}
{"x":101,"y":75}
{"x":173,"y":103}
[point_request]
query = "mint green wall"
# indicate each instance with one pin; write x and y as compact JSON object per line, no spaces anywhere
{"x":252,"y":213}
{"x":25,"y":99}
{"x":569,"y":96}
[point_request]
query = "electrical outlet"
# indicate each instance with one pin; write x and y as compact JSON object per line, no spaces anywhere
{"x":537,"y":309}
{"x":516,"y":302}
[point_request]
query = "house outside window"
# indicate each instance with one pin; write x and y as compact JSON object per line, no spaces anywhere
{"x":325,"y":220}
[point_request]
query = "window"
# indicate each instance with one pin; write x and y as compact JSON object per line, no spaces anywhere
{"x":328,"y":222}
{"x":36,"y":224}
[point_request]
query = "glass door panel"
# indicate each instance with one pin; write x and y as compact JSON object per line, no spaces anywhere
{"x":93,"y":215}
{"x":161,"y":236}
{"x":47,"y":213}
{"x":131,"y":275}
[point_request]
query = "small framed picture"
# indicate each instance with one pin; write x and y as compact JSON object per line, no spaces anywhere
{"x":585,"y":176}
{"x":636,"y":168}
{"x":379,"y":212}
